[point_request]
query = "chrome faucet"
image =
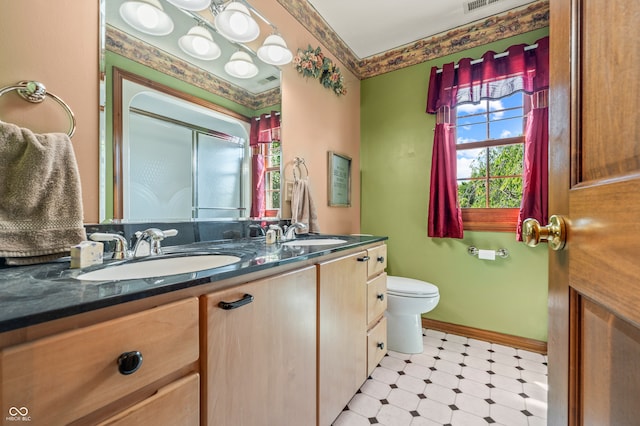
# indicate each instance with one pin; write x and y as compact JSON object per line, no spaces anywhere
{"x":148,"y":242}
{"x":290,"y":234}
{"x":121,"y":249}
{"x":278,"y":230}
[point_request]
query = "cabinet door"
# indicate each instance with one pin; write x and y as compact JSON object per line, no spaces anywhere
{"x":342,"y":333}
{"x":261,"y":356}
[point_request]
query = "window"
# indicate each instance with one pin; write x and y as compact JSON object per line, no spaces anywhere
{"x":271,"y":154}
{"x":489,"y":152}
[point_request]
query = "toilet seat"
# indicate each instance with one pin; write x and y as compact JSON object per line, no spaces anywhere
{"x":409,"y":287}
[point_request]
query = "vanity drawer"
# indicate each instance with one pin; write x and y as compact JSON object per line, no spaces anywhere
{"x":376,"y":297}
{"x":69,"y":375}
{"x":377,"y":260}
{"x":176,"y":403}
{"x":376,"y":344}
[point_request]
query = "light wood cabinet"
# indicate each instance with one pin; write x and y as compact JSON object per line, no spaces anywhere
{"x":342,"y":333}
{"x":376,"y":305}
{"x":259,"y":359}
{"x":176,"y":403}
{"x":67,"y":376}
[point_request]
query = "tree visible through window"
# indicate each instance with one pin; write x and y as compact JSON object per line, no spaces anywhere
{"x":272,"y":156}
{"x":490,"y":150}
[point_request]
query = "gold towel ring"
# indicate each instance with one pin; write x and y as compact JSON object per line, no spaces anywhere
{"x":35,"y":92}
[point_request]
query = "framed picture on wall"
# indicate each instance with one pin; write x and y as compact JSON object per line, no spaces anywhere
{"x":339,"y":180}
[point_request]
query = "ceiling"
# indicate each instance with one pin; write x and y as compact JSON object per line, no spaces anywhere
{"x":371,"y":27}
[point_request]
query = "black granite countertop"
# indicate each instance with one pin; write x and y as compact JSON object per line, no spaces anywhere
{"x":34,"y":294}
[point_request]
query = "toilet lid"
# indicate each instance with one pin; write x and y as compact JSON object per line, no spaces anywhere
{"x":401,"y":286}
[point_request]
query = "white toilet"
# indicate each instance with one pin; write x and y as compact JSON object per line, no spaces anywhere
{"x":407,"y":299}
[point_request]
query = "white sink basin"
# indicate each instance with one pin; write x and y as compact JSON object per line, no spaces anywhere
{"x":314,"y":242}
{"x":159,"y":267}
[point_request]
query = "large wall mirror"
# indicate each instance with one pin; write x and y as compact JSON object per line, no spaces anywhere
{"x":176,"y":136}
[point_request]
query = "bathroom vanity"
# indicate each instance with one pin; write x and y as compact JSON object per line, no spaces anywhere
{"x":263,"y":341}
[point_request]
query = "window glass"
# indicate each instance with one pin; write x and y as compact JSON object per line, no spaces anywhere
{"x":490,"y":150}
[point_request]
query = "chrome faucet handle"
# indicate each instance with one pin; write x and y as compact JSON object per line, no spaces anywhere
{"x":151,"y":237}
{"x":291,"y":234}
{"x":120,"y":250}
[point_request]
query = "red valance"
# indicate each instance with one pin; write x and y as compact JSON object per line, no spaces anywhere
{"x":521,"y":69}
{"x":265,"y":129}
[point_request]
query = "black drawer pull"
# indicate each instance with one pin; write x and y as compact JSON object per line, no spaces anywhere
{"x":129,"y":362}
{"x":381,"y":259}
{"x":363,"y":259}
{"x":246,"y":299}
{"x":380,"y":345}
{"x":380,"y":297}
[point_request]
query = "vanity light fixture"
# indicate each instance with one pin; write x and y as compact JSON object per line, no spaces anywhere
{"x":240,"y":65}
{"x":236,"y":23}
{"x":274,"y":51}
{"x":198,"y":42}
{"x":147,"y":16}
{"x":195,"y":5}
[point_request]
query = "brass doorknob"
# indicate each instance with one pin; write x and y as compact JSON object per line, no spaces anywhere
{"x":555,"y":233}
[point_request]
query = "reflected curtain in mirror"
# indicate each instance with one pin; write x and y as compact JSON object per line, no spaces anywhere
{"x":264,"y":139}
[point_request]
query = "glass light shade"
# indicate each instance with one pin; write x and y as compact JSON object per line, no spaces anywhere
{"x":236,"y":23}
{"x":198,"y":42}
{"x":274,"y":51}
{"x":241,"y":66}
{"x":194,"y":5}
{"x":146,"y":16}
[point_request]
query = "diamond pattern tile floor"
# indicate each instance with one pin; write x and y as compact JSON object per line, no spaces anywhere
{"x":455,"y":381}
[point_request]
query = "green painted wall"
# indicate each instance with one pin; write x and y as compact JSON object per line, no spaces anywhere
{"x":506,"y":295}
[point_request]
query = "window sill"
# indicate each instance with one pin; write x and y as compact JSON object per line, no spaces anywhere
{"x":491,"y":220}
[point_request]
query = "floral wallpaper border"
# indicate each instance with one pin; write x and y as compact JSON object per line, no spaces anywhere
{"x":136,"y":50}
{"x":517,"y":21}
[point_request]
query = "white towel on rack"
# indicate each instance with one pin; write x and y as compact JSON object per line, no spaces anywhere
{"x":303,"y":208}
{"x":40,"y":197}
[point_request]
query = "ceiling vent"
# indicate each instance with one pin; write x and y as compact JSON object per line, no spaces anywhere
{"x":473,"y":5}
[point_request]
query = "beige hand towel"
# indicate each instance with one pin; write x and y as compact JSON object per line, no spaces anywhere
{"x":40,"y":197}
{"x":303,"y":208}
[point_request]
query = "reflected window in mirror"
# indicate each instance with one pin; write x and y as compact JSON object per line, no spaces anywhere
{"x":266,"y":164}
{"x":271,"y":154}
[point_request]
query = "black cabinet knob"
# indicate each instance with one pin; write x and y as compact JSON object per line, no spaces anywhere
{"x":380,"y":297}
{"x":380,"y":345}
{"x":129,"y":362}
{"x":381,"y":259}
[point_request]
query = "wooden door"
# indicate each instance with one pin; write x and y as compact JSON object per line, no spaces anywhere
{"x":594,"y":292}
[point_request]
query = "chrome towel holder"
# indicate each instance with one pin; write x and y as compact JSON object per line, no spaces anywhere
{"x":298,"y":162}
{"x":35,"y":92}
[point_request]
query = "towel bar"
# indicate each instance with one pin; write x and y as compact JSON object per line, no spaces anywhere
{"x":35,"y":92}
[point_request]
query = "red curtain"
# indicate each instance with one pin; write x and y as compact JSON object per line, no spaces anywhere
{"x":467,"y":82}
{"x":258,"y":202}
{"x":264,"y":129}
{"x":445,"y":216}
{"x":535,"y":173}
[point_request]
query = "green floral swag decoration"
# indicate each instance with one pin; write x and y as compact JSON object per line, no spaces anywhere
{"x":312,"y":63}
